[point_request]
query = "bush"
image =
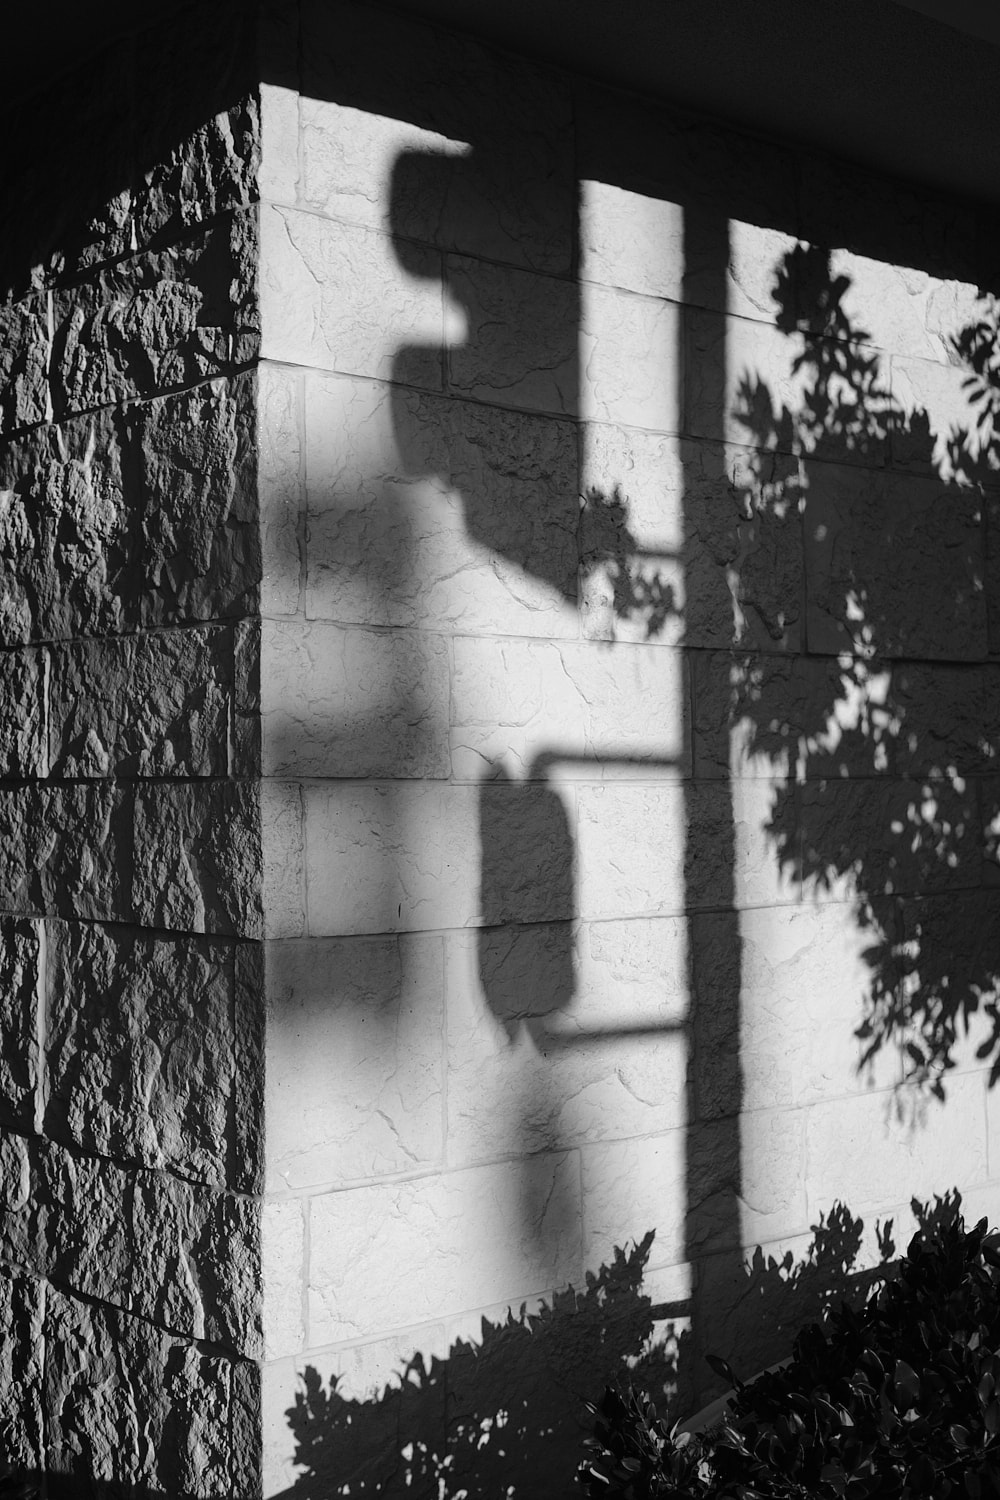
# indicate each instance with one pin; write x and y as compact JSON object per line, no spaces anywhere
{"x":901,"y":1398}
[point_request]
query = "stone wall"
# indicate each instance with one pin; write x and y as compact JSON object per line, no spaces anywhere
{"x":129,"y":830}
{"x":627,"y":741}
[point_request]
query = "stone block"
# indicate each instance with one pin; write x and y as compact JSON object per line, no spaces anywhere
{"x":340,"y":297}
{"x":900,"y":309}
{"x":774,"y":1172}
{"x":278,"y":178}
{"x":79,"y":839}
{"x":633,"y":584}
{"x":149,"y":705}
{"x":947,"y":719}
{"x":82,"y":1206}
{"x":631,"y":1187}
{"x":64,"y":531}
{"x":934,"y":419}
{"x":247,"y":1174}
{"x":355,"y":1059}
{"x":397,"y":1254}
{"x":353,"y":702}
{"x":439,"y":513}
{"x":21,"y":1355}
{"x":201,"y":866}
{"x":20,"y":1244}
{"x":950,"y":963}
{"x":518,"y":343}
{"x":280,"y":488}
{"x":23,"y":726}
{"x":199,"y":548}
{"x":869,"y":840}
{"x":867,"y":1152}
{"x":991,"y":574}
{"x":485,"y":167}
{"x":245,"y":724}
{"x":196,"y":1263}
{"x":541,"y":1056}
{"x":284,"y":859}
{"x":21,"y":981}
{"x":390,"y":857}
{"x":24,"y":354}
{"x":805,"y":974}
{"x":166,"y":318}
{"x":761,"y":716}
{"x":631,"y":240}
{"x":631,"y":850}
{"x":630,"y":360}
{"x":141,"y":1060}
{"x":588,"y":711}
{"x":127,"y":1405}
{"x":879,"y":550}
{"x":283,"y":1272}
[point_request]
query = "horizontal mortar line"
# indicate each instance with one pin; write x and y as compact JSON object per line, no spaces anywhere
{"x":133,"y":632}
{"x":308,"y":210}
{"x":89,"y":1299}
{"x":129,"y":1167}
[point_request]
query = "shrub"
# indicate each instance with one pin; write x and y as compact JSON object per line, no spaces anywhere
{"x":899,"y":1399}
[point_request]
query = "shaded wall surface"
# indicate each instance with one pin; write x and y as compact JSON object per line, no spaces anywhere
{"x":499,"y":621}
{"x":130,"y":848}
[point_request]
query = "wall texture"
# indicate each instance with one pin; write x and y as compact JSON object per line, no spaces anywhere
{"x":498,"y":623}
{"x":130,"y":844}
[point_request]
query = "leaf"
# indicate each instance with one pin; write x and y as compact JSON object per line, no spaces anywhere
{"x":960,"y":1435}
{"x":721,"y":1367}
{"x":906,"y":1379}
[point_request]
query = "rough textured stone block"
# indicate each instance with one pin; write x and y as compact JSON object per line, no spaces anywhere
{"x":630,"y":360}
{"x":392,"y":1255}
{"x":79,"y":839}
{"x":284,"y":859}
{"x":82,"y":1204}
{"x":439,"y":513}
{"x":878,"y":548}
{"x":487,"y":168}
{"x":149,"y":705}
{"x":533,"y":1063}
{"x":519,"y":342}
{"x":201,"y":864}
{"x":592,"y":711}
{"x":20,"y":990}
{"x":631,"y":240}
{"x":631,"y":850}
{"x":901,"y":309}
{"x":890,"y":838}
{"x":247,"y":1172}
{"x":140,"y":1054}
{"x":245,"y":720}
{"x":166,"y":318}
{"x":21,"y":1350}
{"x":340,"y":297}
{"x":280,"y":491}
{"x":23,"y":727}
{"x":64,"y":531}
{"x":200,"y":545}
{"x":355,"y":1066}
{"x":278,"y":176}
{"x":868,"y":1153}
{"x":353,"y":703}
{"x":126,"y":1404}
{"x":24,"y":352}
{"x":196,"y":1262}
{"x":283,"y":1271}
{"x":19,"y":1237}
